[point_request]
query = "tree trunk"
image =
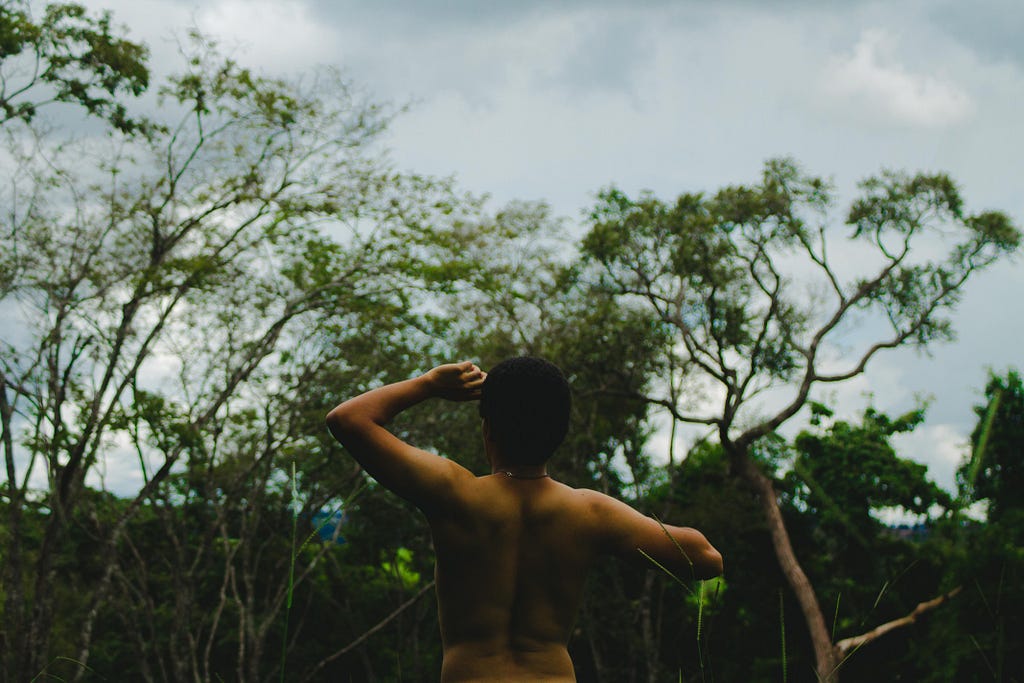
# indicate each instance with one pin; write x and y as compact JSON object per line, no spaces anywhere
{"x":41,"y":626}
{"x":12,"y":640}
{"x":651,"y":645}
{"x":825,"y":654}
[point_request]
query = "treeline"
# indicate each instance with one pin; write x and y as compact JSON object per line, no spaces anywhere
{"x":187,"y":293}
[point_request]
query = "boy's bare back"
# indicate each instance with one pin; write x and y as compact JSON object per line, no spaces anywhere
{"x":510,"y":568}
{"x":512,"y":548}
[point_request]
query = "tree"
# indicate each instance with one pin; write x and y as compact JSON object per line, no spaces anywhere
{"x":155,"y":300}
{"x":512,"y":288}
{"x":850,"y":472}
{"x":725,"y":273}
{"x":842,"y":478}
{"x":66,"y":56}
{"x":991,"y":563}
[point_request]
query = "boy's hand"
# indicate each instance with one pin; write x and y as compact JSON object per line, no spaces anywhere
{"x":457,"y":381}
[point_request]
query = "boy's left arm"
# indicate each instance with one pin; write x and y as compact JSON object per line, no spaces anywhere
{"x":422,"y":478}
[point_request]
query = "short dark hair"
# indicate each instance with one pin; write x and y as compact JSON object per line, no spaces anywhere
{"x":526,"y":402}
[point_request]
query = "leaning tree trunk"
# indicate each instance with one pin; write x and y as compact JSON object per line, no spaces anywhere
{"x":825,"y":654}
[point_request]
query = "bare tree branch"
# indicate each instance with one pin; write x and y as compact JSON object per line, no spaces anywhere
{"x":667,"y":404}
{"x":847,"y":646}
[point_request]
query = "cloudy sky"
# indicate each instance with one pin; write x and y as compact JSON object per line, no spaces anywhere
{"x":554,"y":100}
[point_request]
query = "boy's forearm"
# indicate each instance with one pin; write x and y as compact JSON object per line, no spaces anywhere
{"x":382,"y":404}
{"x":453,"y":381}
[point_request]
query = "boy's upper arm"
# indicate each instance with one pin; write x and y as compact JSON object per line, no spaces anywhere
{"x":426,"y":480}
{"x":638,"y":538}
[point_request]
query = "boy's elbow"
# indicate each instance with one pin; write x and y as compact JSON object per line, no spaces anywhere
{"x":339,"y":422}
{"x":711,"y":564}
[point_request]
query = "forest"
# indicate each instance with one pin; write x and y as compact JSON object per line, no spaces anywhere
{"x":194,"y":269}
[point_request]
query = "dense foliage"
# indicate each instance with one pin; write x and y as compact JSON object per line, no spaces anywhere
{"x":180,"y":312}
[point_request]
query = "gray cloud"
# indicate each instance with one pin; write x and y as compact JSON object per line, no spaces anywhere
{"x":993,"y":28}
{"x":552,"y":100}
{"x":608,"y":55}
{"x":462,"y":14}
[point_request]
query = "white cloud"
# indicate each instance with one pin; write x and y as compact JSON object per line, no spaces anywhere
{"x":871,"y":77}
{"x":939,"y":446}
{"x":278,"y":36}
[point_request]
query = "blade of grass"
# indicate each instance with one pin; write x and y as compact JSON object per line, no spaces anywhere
{"x":835,"y":617}
{"x":782,"y":631}
{"x":700,"y":609}
{"x":983,"y":657}
{"x":699,"y":593}
{"x":60,"y":658}
{"x":665,"y":569}
{"x":291,"y":575}
{"x":700,"y":624}
{"x":295,"y":553}
{"x":676,"y":543}
{"x":878,"y":598}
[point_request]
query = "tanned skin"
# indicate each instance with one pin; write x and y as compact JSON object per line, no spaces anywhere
{"x":512,"y":552}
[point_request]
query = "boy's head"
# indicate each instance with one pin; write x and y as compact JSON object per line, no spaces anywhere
{"x":526,"y":403}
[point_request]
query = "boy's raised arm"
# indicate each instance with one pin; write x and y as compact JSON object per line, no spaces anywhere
{"x":422,"y":478}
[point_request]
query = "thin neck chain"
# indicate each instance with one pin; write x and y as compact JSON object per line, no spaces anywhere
{"x":521,"y":476}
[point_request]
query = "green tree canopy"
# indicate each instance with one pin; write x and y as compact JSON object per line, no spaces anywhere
{"x":851,"y":471}
{"x":756,"y":291}
{"x":165,"y":295}
{"x":66,"y":55}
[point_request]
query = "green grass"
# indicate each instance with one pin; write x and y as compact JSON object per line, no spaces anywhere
{"x":698,"y":595}
{"x":55,"y":677}
{"x":294,"y":556}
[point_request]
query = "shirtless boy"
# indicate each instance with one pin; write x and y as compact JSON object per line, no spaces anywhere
{"x":513,"y":547}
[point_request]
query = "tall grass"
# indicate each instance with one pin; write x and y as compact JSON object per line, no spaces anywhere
{"x":698,"y":594}
{"x":296,"y":550}
{"x":55,"y":677}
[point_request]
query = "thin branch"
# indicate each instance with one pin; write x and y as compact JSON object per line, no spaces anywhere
{"x":862,"y":363}
{"x":849,"y":645}
{"x":380,"y":624}
{"x":822,"y":261}
{"x":664,"y":403}
{"x":769,"y":316}
{"x":921,"y":320}
{"x":810,"y":374}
